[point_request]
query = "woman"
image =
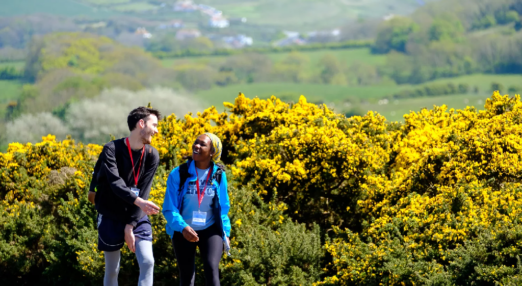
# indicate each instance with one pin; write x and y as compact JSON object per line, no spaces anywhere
{"x":196,"y":209}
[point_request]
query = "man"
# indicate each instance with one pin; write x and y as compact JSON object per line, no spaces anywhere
{"x":120,"y":187}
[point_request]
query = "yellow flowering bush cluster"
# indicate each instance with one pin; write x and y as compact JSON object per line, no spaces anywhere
{"x":42,"y":209}
{"x":448,"y":211}
{"x":435,"y":200}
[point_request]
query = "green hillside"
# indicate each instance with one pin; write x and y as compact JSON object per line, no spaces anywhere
{"x":56,"y":7}
{"x":346,"y":56}
{"x":299,"y":14}
{"x":286,"y":14}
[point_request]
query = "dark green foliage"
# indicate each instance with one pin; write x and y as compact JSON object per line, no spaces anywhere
{"x":48,"y":230}
{"x":515,"y":89}
{"x":394,"y":35}
{"x":497,"y":86}
{"x":261,"y":50}
{"x":434,"y":89}
{"x":9,"y":73}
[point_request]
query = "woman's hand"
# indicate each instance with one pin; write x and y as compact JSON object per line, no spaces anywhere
{"x":190,"y":234}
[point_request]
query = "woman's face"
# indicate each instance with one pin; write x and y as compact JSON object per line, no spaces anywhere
{"x":202,"y":148}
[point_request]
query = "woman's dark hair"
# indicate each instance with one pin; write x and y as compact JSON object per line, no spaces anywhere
{"x":139,"y":114}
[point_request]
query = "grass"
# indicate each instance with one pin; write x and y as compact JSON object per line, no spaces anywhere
{"x":304,"y":15}
{"x":9,"y":90}
{"x":483,"y":81}
{"x":347,"y":56}
{"x":292,"y":91}
{"x":105,"y":2}
{"x":134,"y":7}
{"x":396,"y":109}
{"x":337,"y":96}
{"x":17,"y":64}
{"x":55,"y":7}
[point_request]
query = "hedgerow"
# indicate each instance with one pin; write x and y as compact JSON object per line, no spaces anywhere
{"x":316,"y":198}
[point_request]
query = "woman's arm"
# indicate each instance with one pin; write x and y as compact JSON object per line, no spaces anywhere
{"x":170,"y":209}
{"x":224,"y":201}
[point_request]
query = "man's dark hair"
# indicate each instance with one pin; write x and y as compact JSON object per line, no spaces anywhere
{"x":141,"y":113}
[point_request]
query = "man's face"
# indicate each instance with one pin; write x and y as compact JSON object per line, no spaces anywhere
{"x":150,"y":128}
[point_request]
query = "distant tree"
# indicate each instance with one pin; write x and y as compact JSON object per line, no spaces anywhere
{"x":446,"y":29}
{"x":93,"y":120}
{"x":195,"y":76}
{"x":31,"y":128}
{"x":505,"y":17}
{"x":361,"y":73}
{"x":332,"y":71}
{"x":497,"y":86}
{"x":292,"y":68}
{"x":249,"y":67}
{"x":394,"y":34}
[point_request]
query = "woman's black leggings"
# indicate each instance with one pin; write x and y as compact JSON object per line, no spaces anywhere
{"x":211,"y":248}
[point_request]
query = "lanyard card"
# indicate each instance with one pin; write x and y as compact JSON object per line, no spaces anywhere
{"x":136,"y":191}
{"x":199,"y":218}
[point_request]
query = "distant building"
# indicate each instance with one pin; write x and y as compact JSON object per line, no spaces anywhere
{"x":237,"y":20}
{"x":185,"y":34}
{"x":185,"y":6}
{"x":143,"y":32}
{"x":291,"y":34}
{"x":238,"y":41}
{"x":388,"y":17}
{"x":174,"y":24}
{"x":290,"y":42}
{"x":218,"y":22}
{"x":292,"y":38}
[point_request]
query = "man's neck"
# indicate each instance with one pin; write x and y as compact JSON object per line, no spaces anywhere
{"x":135,"y":141}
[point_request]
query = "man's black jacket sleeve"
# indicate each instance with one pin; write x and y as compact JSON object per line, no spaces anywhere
{"x":94,"y":180}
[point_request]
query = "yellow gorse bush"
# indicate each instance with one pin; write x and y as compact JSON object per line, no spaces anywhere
{"x":434,"y":200}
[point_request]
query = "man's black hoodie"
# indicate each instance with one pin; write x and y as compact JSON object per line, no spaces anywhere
{"x":113,"y":177}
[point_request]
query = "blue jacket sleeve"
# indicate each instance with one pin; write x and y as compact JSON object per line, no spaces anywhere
{"x":170,"y":209}
{"x":224,"y":201}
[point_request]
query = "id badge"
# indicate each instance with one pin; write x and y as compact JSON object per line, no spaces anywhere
{"x":199,"y":218}
{"x":136,"y":191}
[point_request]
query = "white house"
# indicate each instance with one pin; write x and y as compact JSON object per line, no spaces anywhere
{"x":218,"y":22}
{"x":184,"y":34}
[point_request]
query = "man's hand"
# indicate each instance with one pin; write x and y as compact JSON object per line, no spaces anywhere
{"x":190,"y":234}
{"x":129,"y":238}
{"x":148,"y":207}
{"x":91,"y":197}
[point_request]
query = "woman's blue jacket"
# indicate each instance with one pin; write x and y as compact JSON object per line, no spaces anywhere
{"x":174,"y":198}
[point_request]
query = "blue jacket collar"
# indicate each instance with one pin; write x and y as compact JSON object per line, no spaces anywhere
{"x":192,"y":167}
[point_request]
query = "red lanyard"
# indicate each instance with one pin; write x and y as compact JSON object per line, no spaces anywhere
{"x":200,"y":196}
{"x":132,"y":161}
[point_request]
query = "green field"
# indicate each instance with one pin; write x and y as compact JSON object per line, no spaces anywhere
{"x":292,"y":91}
{"x":17,"y":65}
{"x":347,"y":56}
{"x":396,"y":109}
{"x":303,"y":15}
{"x":338,"y":97}
{"x":300,"y":15}
{"x":55,"y":7}
{"x":9,"y":90}
{"x":134,"y":7}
